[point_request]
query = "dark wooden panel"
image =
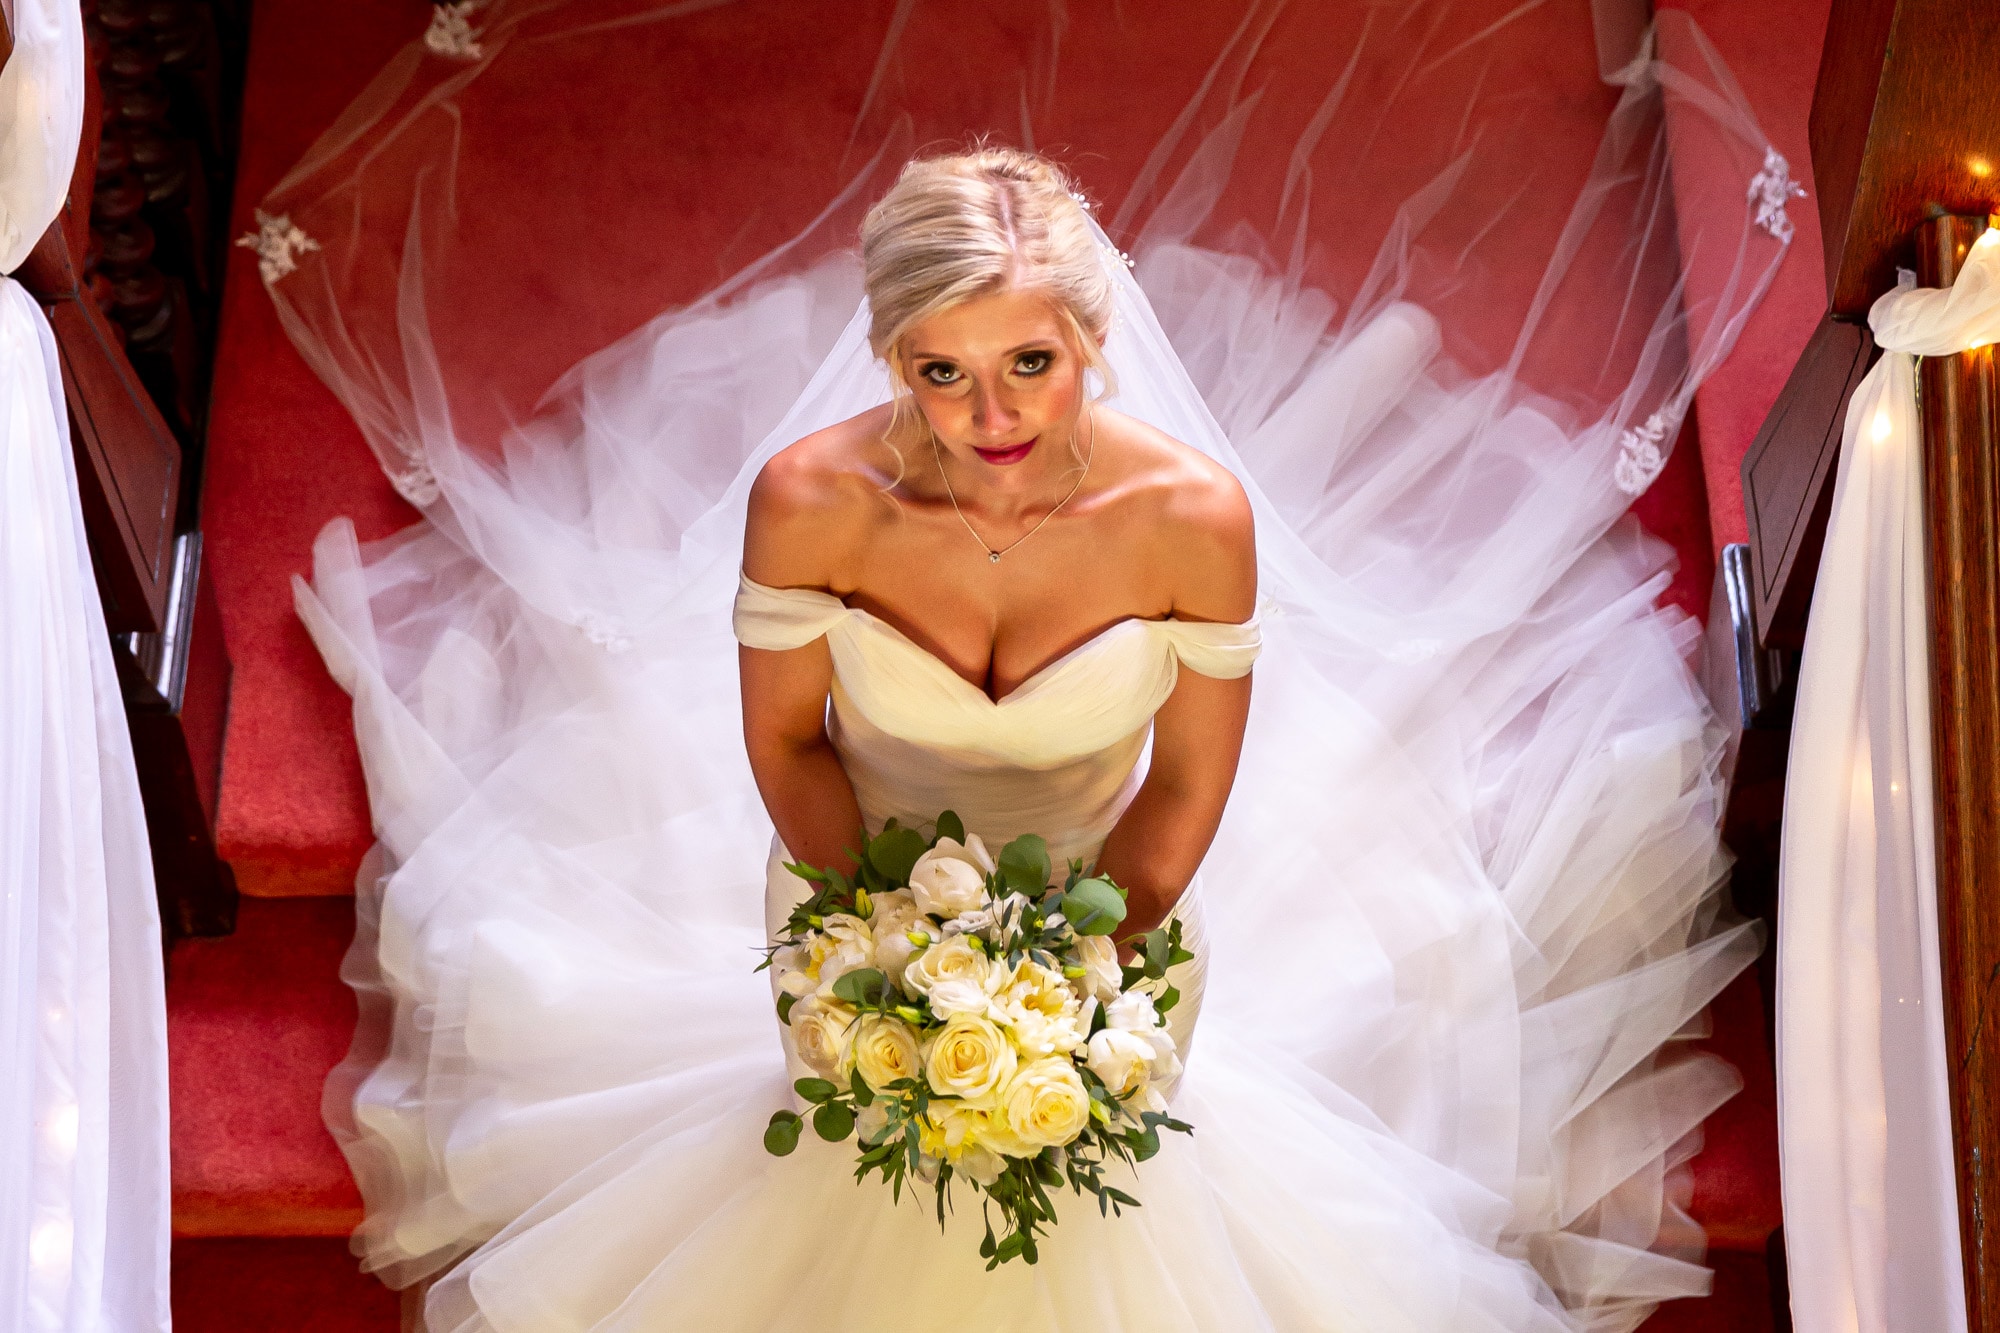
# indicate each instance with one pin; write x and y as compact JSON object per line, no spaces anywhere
{"x":1788,"y":478}
{"x":1905,"y":126}
{"x":128,"y":468}
{"x":1962,"y":516}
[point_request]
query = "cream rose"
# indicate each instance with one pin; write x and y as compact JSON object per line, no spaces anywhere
{"x":951,"y":877}
{"x":962,"y":995}
{"x":884,"y":1049}
{"x":1040,"y":1011}
{"x":969,"y":1058}
{"x":821,"y":1031}
{"x":1045,"y":1104}
{"x":896,"y":915}
{"x":955,"y":959}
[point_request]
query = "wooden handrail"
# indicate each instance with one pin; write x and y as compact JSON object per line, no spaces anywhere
{"x":1961,"y":463}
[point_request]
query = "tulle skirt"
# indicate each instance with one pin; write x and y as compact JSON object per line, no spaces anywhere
{"x":1463,"y":904}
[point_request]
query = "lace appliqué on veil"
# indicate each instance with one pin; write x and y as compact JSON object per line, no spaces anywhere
{"x":1641,"y":452}
{"x":416,"y":483}
{"x":451,"y":34}
{"x":278,"y":244}
{"x":1771,"y":189}
{"x":607,"y":632}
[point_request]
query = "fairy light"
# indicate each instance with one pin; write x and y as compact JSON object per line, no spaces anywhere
{"x":1979,"y":166}
{"x":1880,"y":429}
{"x":50,"y":1243}
{"x":60,"y":1129}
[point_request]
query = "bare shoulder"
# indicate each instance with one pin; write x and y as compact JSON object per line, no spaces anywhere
{"x":811,"y":503}
{"x":1204,"y":531}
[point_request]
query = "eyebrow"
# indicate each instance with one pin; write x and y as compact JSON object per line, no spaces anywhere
{"x":1033,"y":345}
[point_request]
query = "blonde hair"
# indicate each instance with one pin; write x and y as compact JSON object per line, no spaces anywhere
{"x":962,"y":225}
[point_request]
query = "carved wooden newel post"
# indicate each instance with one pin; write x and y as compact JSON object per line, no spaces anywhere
{"x":1962,"y":503}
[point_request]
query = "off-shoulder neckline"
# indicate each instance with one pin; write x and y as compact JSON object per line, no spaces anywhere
{"x":1029,"y":682}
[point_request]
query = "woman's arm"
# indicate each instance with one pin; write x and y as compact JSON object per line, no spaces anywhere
{"x":1210,"y":553}
{"x":1159,"y":841}
{"x":794,"y":525}
{"x":798,"y":773}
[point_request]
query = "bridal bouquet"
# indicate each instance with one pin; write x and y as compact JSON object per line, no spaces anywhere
{"x":970,"y":1020}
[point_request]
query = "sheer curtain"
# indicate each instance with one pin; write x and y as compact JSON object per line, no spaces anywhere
{"x":1871,"y":1209}
{"x":84,"y":1197}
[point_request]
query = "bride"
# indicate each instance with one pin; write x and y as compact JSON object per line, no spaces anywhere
{"x":1450,"y":871}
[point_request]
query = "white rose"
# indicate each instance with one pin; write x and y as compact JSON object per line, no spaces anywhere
{"x":968,"y":1058}
{"x":842,"y":945}
{"x":1102,"y":977}
{"x":884,"y":1049}
{"x":1045,"y":1103}
{"x":821,"y":1030}
{"x":951,"y":877}
{"x":954,"y":959}
{"x":1133,"y":1013}
{"x":1122,"y":1059}
{"x":896,"y":915}
{"x":1040,"y":1011}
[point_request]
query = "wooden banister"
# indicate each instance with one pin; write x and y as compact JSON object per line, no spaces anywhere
{"x":1961,"y":467}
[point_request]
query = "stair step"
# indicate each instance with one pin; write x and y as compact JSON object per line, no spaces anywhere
{"x":268,"y":1285}
{"x":254,"y":1022}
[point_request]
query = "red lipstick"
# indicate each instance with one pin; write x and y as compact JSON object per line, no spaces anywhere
{"x":1008,"y":456}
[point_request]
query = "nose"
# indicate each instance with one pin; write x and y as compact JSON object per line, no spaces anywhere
{"x":992,"y":416}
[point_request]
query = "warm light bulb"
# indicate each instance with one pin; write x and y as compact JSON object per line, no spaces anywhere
{"x":1979,"y":167}
{"x":49,"y":1244}
{"x":1880,"y":427}
{"x":60,"y":1130}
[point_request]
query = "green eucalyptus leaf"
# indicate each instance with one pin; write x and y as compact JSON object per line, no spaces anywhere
{"x":785,"y":1003}
{"x":894,"y":851}
{"x":949,"y":825}
{"x":863,"y":1094}
{"x":863,"y":986}
{"x":1166,"y":999}
{"x":1094,"y":907}
{"x":1024,"y":865}
{"x":1157,"y":951}
{"x":816,"y":1089}
{"x":834,"y":1121}
{"x":782,"y":1135}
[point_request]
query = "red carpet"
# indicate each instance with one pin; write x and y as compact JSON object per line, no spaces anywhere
{"x":257,"y":1019}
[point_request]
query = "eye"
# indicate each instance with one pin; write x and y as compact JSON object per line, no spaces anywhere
{"x":1033,"y":363}
{"x":941,"y":373}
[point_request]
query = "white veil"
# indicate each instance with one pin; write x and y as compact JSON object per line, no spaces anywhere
{"x":1466,"y":684}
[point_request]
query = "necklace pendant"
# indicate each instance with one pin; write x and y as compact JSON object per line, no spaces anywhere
{"x":993,"y":556}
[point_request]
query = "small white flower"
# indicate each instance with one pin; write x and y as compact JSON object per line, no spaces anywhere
{"x":1102,"y":977}
{"x":950,"y":878}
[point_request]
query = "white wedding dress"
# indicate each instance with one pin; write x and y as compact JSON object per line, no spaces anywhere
{"x":1465,"y":903}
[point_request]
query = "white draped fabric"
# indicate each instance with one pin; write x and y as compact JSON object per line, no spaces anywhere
{"x":84,"y":1197}
{"x":1871,"y":1211}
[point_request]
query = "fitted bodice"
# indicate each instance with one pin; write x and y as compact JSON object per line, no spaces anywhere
{"x":1056,"y":756}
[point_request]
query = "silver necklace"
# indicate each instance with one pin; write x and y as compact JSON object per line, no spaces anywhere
{"x":991,"y":554}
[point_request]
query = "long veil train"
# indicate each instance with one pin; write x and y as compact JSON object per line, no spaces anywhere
{"x":1479,"y":778}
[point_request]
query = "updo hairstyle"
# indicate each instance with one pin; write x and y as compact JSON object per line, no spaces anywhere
{"x":965,"y":224}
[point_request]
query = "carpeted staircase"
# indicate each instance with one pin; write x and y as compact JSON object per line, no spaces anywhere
{"x":262,"y":1199}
